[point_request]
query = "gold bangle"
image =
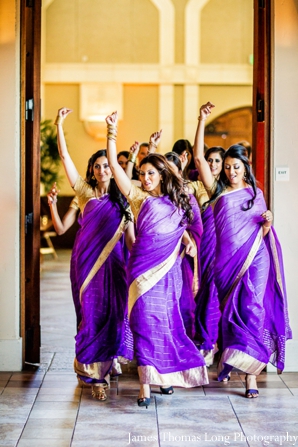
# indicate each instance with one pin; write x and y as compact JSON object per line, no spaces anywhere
{"x":152,"y":144}
{"x":201,"y":119}
{"x":59,"y":120}
{"x":132,"y":158}
{"x":111,"y":138}
{"x":112,"y":127}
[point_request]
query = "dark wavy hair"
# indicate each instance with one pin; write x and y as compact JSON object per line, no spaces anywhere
{"x":235,"y":151}
{"x":184,"y":145}
{"x":114,"y":191}
{"x":215,"y":150}
{"x":171,"y":184}
{"x":173,"y":157}
{"x":124,"y":153}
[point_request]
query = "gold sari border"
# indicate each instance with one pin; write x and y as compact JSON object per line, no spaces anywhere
{"x":93,"y":370}
{"x":147,"y":280}
{"x":104,"y":255}
{"x":195,"y":281}
{"x":250,"y":257}
{"x":276,"y":261}
{"x":187,"y":379}
{"x":240,"y":360}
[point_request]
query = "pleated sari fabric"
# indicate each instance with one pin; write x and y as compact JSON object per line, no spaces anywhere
{"x":165,"y":354}
{"x":98,"y":274}
{"x":251,"y":287}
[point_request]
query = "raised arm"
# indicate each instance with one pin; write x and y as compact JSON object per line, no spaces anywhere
{"x":198,"y":148}
{"x":61,"y":226}
{"x":123,"y":182}
{"x":70,"y":169}
{"x":134,"y":150}
{"x":154,"y":141}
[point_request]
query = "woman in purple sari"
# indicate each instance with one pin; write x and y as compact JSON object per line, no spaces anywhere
{"x":248,"y":267}
{"x":207,"y":313}
{"x":98,"y":270}
{"x":165,"y":354}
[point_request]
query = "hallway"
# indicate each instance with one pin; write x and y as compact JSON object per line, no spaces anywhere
{"x":44,"y":406}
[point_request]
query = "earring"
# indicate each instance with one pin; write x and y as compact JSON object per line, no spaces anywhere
{"x":93,"y":178}
{"x":244,"y":176}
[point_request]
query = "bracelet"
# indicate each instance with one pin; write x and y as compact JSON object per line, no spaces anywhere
{"x":111,"y":137}
{"x":152,"y":144}
{"x":52,"y":203}
{"x":59,"y":120}
{"x":201,"y":119}
{"x":132,"y":157}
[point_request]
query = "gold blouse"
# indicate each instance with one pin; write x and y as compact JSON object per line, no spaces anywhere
{"x":75,"y":203}
{"x":200,"y":192}
{"x":136,"y":197}
{"x":84,"y":192}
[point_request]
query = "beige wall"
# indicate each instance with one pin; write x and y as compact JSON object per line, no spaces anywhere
{"x":285,"y":115}
{"x":225,"y":97}
{"x":89,"y":31}
{"x":10,"y":341}
{"x":227,"y":31}
{"x":140,"y":112}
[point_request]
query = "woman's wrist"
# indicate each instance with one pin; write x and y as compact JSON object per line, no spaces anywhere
{"x":112,"y":132}
{"x":151,"y":143}
{"x":132,"y":157}
{"x":201,"y":119}
{"x":59,"y":120}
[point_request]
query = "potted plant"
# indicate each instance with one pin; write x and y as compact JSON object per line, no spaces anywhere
{"x":49,"y":156}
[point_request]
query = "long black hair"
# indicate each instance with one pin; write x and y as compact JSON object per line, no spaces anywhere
{"x":174,"y":158}
{"x":235,"y":151}
{"x":215,"y":150}
{"x":114,"y":191}
{"x":171,"y":184}
{"x":184,"y":145}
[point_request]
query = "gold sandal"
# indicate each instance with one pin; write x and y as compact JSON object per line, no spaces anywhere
{"x":98,"y":392}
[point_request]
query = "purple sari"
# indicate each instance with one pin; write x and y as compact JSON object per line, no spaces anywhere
{"x":98,"y":276}
{"x":165,"y":355}
{"x":191,"y":272}
{"x":207,"y":309}
{"x":251,"y":287}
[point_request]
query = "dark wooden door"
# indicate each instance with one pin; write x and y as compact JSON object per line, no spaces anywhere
{"x":261,"y":95}
{"x":30,"y":189}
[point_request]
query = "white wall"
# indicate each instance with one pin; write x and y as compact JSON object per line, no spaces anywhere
{"x":285,"y":127}
{"x":10,"y":341}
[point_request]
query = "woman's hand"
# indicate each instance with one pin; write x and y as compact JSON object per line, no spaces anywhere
{"x":205,"y":110}
{"x":52,"y":195}
{"x":64,"y":112}
{"x":268,"y":218}
{"x":190,"y":249}
{"x":155,"y":139}
{"x":112,"y":119}
{"x":134,"y":149}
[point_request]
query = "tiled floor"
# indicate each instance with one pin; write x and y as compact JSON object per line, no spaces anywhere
{"x":44,"y":406}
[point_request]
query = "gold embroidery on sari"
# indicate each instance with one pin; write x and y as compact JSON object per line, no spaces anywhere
{"x":188,"y":378}
{"x":276,"y":261}
{"x":240,"y":360}
{"x":93,"y":370}
{"x":104,"y":255}
{"x":252,"y":253}
{"x":147,"y":280}
{"x":195,"y":281}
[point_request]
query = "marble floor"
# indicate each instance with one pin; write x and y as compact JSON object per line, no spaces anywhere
{"x":44,"y":406}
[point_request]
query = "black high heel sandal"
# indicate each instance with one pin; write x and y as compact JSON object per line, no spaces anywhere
{"x":169,"y":390}
{"x":144,"y":402}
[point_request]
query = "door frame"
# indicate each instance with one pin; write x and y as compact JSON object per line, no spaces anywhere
{"x":30,"y":25}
